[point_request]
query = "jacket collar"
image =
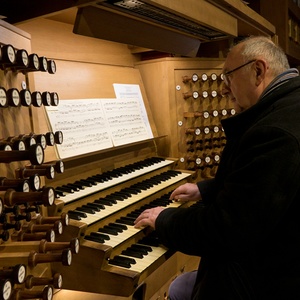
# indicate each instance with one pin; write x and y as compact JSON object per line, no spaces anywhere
{"x":238,"y":124}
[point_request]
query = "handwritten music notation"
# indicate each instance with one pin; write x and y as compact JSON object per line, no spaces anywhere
{"x":91,"y":125}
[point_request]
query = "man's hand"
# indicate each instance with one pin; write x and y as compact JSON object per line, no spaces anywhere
{"x":148,"y":217}
{"x":186,"y":192}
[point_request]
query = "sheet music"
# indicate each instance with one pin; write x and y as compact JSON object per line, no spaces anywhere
{"x":90,"y":125}
{"x":125,"y":120}
{"x":83,"y":125}
{"x":133,"y":91}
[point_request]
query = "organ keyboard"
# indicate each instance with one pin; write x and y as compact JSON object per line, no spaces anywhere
{"x":43,"y":223}
{"x":96,"y":183}
{"x":115,"y":257}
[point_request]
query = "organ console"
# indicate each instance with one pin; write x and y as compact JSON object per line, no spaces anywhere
{"x":92,"y":199}
{"x":28,"y":234}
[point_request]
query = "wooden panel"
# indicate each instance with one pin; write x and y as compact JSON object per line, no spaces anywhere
{"x":13,"y":120}
{"x":17,"y":11}
{"x":57,"y":41}
{"x":158,"y":287}
{"x":203,"y":12}
{"x":166,"y":92}
{"x":249,"y":22}
{"x":285,"y":16}
{"x":86,"y":67}
{"x":98,"y":23}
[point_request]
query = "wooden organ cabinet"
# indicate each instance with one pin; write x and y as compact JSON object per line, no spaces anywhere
{"x":97,"y":253}
{"x":188,"y":92}
{"x":28,"y":234}
{"x":69,"y":233}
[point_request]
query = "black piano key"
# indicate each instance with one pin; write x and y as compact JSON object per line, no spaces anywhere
{"x":133,"y":253}
{"x":176,"y":172}
{"x":123,"y":258}
{"x":122,"y":195}
{"x":125,"y":170}
{"x":83,"y":182}
{"x":120,"y":171}
{"x":114,"y":197}
{"x":78,"y":213}
{"x":161,"y":202}
{"x":111,"y":199}
{"x":91,"y":180}
{"x":139,"y":210}
{"x":70,"y":186}
{"x":112,"y":174}
{"x":106,"y":177}
{"x":127,"y":221}
{"x":94,"y":179}
{"x":142,"y":251}
{"x":85,"y":209}
{"x":133,"y":215}
{"x":94,"y":239}
{"x":94,"y":207}
{"x":59,"y":193}
{"x":142,"y":247}
{"x":132,"y":191}
{"x":150,"y":241}
{"x":88,"y":181}
{"x":148,"y":184}
{"x":113,"y":226}
{"x":104,"y":202}
{"x":116,"y":225}
{"x":139,"y":187}
{"x":99,"y":177}
{"x":124,"y":264}
{"x":154,"y":181}
{"x":79,"y":186}
{"x":162,"y":177}
{"x":108,"y":230}
{"x":64,"y":189}
{"x":156,"y":159}
{"x":122,"y":192}
{"x":74,"y":217}
{"x":100,"y":235}
{"x":100,"y":206}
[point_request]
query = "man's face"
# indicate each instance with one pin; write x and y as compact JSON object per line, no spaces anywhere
{"x":239,"y":84}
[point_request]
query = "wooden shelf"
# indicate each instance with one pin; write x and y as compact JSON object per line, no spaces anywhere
{"x":285,"y":15}
{"x":249,"y":21}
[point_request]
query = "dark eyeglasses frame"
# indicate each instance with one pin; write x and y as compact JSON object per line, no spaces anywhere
{"x":225,"y":75}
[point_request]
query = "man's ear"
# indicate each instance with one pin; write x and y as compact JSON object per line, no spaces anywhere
{"x":260,"y":69}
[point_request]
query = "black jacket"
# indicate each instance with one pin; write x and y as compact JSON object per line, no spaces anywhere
{"x":247,"y":230}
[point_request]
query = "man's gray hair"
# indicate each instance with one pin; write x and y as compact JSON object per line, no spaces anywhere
{"x":255,"y":47}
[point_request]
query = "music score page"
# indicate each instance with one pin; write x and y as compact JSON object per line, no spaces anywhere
{"x":90,"y":125}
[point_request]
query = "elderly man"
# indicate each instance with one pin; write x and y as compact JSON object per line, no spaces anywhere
{"x":246,"y":224}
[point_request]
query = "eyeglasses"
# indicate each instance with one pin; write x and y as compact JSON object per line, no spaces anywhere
{"x":225,"y":75}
